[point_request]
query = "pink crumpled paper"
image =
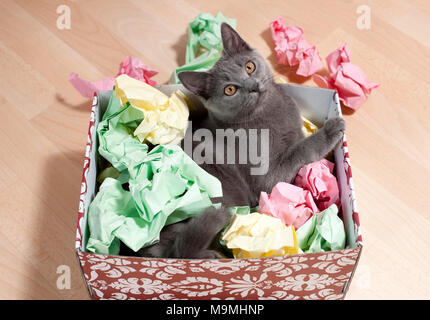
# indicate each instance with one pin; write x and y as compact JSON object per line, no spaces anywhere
{"x":292,"y":48}
{"x":130,"y":66}
{"x":347,"y":79}
{"x":292,"y":204}
{"x":318,"y":179}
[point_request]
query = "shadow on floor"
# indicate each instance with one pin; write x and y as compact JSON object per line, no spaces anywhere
{"x":55,"y":230}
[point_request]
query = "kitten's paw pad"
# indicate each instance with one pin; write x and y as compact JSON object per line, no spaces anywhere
{"x":208,"y":254}
{"x":335,"y":128}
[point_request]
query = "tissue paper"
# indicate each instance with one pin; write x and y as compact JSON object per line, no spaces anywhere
{"x":257,"y":235}
{"x":349,"y":80}
{"x":131,"y":66}
{"x":204,"y":46}
{"x":322,"y":232}
{"x":291,"y":204}
{"x":317,"y":177}
{"x":165,"y":120}
{"x":292,"y":48}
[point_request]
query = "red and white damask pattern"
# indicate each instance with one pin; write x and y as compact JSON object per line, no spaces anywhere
{"x":310,"y":276}
{"x":87,"y":160}
{"x":349,"y":180}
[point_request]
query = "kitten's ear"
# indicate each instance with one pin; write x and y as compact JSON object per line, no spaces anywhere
{"x":231,"y":40}
{"x":196,"y":82}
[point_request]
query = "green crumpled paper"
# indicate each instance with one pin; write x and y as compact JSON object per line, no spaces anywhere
{"x":166,"y":186}
{"x":111,"y":214}
{"x":115,"y":132}
{"x":204,"y":47}
{"x":324,"y":231}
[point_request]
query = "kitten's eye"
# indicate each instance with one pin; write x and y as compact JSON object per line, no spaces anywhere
{"x":230,"y":90}
{"x":250,"y":67}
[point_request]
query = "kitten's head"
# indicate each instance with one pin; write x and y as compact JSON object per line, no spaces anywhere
{"x":236,"y":84}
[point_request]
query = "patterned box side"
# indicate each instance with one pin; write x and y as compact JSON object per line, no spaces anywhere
{"x":310,"y":276}
{"x":83,"y":204}
{"x":346,"y":187}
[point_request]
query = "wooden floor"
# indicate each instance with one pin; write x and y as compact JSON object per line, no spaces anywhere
{"x":44,"y":122}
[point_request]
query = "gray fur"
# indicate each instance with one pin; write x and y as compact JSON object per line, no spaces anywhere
{"x":259,"y":103}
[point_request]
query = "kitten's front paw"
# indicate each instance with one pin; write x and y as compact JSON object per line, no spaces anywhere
{"x":334,"y":128}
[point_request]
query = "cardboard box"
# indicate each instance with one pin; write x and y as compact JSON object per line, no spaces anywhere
{"x":324,"y":275}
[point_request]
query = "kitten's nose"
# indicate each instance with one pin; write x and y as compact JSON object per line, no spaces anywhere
{"x":252,"y":85}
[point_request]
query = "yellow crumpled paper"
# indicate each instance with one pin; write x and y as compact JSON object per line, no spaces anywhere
{"x":258,"y":235}
{"x":308,"y":127}
{"x":165,"y":118}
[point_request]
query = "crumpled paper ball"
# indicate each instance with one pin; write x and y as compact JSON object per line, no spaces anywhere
{"x":291,"y":204}
{"x":165,"y":119}
{"x":323,"y":232}
{"x":350,"y":82}
{"x":317,"y":178}
{"x":292,"y":48}
{"x":204,"y":46}
{"x":136,"y":69}
{"x":131,"y":66}
{"x":258,"y":235}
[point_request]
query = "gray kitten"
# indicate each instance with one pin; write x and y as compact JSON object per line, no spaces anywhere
{"x":239,"y":92}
